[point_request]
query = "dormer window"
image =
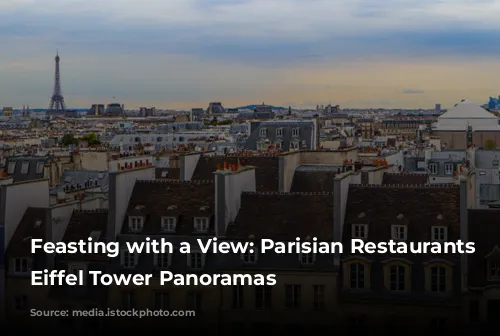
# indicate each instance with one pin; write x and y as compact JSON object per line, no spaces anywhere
{"x":307,"y":258}
{"x":201,"y":224}
{"x":433,"y":168}
{"x":439,"y":233}
{"x":398,"y":232}
{"x":12,"y":168}
{"x":449,"y":169}
{"x":196,"y":260}
{"x":129,"y":260}
{"x":295,"y":132}
{"x":263,"y":132}
{"x":279,"y":132}
{"x":163,"y":260}
{"x":135,"y":223}
{"x":39,"y":167}
{"x":168,"y":224}
{"x":249,"y":257}
{"x":360,"y":231}
{"x":25,"y":167}
{"x":22,"y":265}
{"x":494,"y":270}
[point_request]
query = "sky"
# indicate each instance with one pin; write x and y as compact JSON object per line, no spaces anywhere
{"x":182,"y":54}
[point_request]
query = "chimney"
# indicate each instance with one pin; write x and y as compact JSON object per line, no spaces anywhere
{"x":49,"y":237}
{"x":340,"y":190}
{"x":464,"y":229}
{"x":229,"y":185}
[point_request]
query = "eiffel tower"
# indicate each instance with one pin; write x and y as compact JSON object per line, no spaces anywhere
{"x":57,"y":105}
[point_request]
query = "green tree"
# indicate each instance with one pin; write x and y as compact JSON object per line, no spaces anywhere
{"x":69,"y":139}
{"x":490,"y":144}
{"x":92,"y":139}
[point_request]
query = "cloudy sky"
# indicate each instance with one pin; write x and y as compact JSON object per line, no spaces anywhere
{"x":186,"y":53}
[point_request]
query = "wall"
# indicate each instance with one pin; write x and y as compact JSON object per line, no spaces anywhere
{"x":290,"y":161}
{"x":92,"y":160}
{"x":340,"y":192}
{"x":396,"y":159}
{"x":287,"y":165}
{"x":7,"y":180}
{"x":61,"y":214}
{"x":113,"y":165}
{"x":187,"y":165}
{"x":16,"y":198}
{"x":376,"y":174}
{"x":228,"y":188}
{"x":121,"y":185}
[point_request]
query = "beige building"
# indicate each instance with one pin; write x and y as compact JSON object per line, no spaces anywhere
{"x":464,"y":125}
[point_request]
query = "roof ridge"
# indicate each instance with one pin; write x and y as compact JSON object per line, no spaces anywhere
{"x":97,"y":210}
{"x":402,"y":186}
{"x":406,"y":174}
{"x":278,"y":193}
{"x":173,"y":181}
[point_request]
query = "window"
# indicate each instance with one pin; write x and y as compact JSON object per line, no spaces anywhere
{"x":162,"y":301}
{"x":128,"y":300}
{"x":294,"y":145}
{"x":237,"y":297}
{"x":21,"y":265}
{"x":439,"y":233}
{"x":357,"y":276}
{"x":249,"y":257}
{"x":168,"y":224}
{"x":196,"y":260}
{"x":319,"y":297}
{"x":397,"y":278}
{"x":279,"y":132}
{"x":433,"y":168}
{"x":25,"y":167}
{"x":295,"y":132}
{"x":360,"y":231}
{"x":438,"y":279}
{"x":263,"y":298}
{"x":201,"y":224}
{"x":12,"y":168}
{"x":292,"y":296}
{"x":162,"y":260}
{"x":21,"y":302}
{"x":136,"y":224}
{"x":307,"y":258}
{"x":494,"y":269}
{"x":263,"y":132}
{"x":448,"y":169}
{"x":39,"y":167}
{"x":129,"y":260}
{"x":398,"y":232}
{"x":194,"y":301}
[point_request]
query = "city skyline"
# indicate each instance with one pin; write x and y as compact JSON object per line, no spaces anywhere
{"x":183,"y":54}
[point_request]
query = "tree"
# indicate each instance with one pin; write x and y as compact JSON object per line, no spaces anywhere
{"x":490,"y":144}
{"x":69,"y":139}
{"x":92,"y":139}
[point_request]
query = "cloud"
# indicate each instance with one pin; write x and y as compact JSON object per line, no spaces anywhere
{"x":193,"y":50}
